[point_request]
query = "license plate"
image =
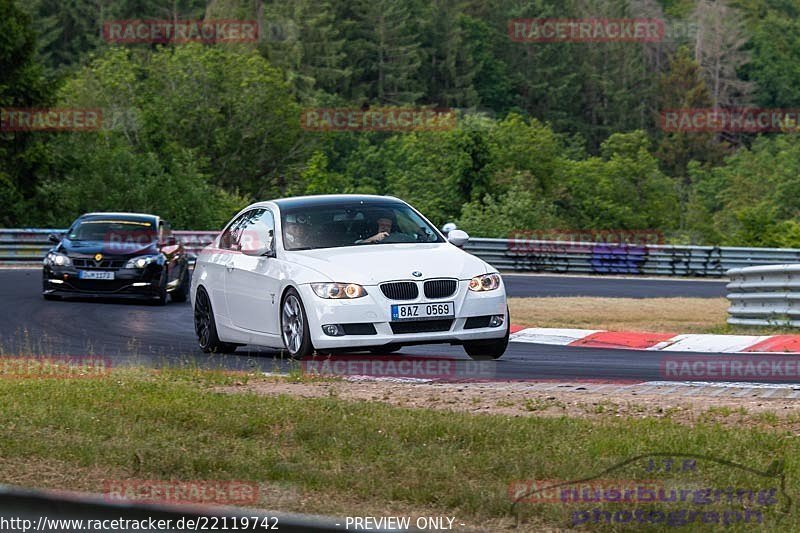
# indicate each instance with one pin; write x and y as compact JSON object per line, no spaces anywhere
{"x":95,"y":274}
{"x":422,"y":311}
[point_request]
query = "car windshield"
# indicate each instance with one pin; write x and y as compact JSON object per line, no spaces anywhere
{"x":112,"y":230}
{"x":325,"y":226}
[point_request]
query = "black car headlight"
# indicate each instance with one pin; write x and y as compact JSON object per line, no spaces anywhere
{"x":486,"y":282}
{"x":141,"y":262}
{"x":57,"y":259}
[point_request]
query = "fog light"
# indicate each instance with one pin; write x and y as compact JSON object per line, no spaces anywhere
{"x":56,"y":281}
{"x":140,"y":284}
{"x":496,"y":320}
{"x":332,"y":330}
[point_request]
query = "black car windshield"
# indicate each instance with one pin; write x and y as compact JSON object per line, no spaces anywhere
{"x":326,"y":226}
{"x":113,"y":230}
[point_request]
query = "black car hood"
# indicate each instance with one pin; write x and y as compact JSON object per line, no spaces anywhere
{"x":109,"y":249}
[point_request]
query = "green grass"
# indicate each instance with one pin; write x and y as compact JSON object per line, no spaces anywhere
{"x":172,"y":425}
{"x":733,"y":329}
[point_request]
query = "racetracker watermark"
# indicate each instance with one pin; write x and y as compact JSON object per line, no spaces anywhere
{"x":200,"y":492}
{"x":399,"y":367}
{"x":531,"y":241}
{"x":35,"y":119}
{"x":182,"y":31}
{"x":725,"y":368}
{"x":738,"y":120}
{"x":384,"y":119}
{"x":55,"y":367}
{"x":596,"y":490}
{"x":587,"y":30}
{"x":124,"y":240}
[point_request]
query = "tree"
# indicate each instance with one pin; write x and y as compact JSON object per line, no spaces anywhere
{"x":229,"y":105}
{"x":622,"y":189}
{"x":754,"y":199}
{"x":683,"y":87}
{"x":776,"y":54}
{"x":491,"y":78}
{"x":384,"y":47}
{"x":720,"y":52}
{"x":317,"y":178}
{"x":205,"y":123}
{"x":21,"y":85}
{"x":106,"y":173}
{"x":69,"y":32}
{"x":307,"y":45}
{"x":448,"y":68}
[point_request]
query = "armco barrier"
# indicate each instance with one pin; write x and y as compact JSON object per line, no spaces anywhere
{"x":765,"y":295}
{"x":26,"y":246}
{"x":602,"y":258}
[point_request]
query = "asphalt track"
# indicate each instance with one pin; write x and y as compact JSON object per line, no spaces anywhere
{"x":131,"y":332}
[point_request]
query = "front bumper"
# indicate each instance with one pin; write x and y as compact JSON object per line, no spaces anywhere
{"x":375,"y":309}
{"x":127,"y":282}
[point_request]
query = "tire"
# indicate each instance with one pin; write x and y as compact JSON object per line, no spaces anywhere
{"x":489,"y":349}
{"x":206,"y":328}
{"x":182,"y":293}
{"x":294,"y":326}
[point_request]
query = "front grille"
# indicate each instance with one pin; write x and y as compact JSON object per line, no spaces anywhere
{"x":421,"y":326}
{"x":440,"y":288}
{"x":105,"y":264}
{"x":361,"y":328}
{"x":400,"y":290}
{"x":475,"y":322}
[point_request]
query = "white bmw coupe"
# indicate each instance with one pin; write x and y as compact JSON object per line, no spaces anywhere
{"x":344,"y":273}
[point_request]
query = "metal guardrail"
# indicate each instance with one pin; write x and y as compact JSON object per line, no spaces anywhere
{"x":25,"y":246}
{"x":765,"y":295}
{"x":601,"y":258}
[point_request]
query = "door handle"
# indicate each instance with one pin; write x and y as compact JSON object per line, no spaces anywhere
{"x":229,"y":266}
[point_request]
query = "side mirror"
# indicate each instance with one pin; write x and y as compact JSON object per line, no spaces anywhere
{"x":257,"y":247}
{"x":54,"y":238}
{"x":169,"y":241}
{"x":458,"y":237}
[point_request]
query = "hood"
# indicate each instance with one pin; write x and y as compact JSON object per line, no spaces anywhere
{"x":115,"y":249}
{"x":376,"y":263}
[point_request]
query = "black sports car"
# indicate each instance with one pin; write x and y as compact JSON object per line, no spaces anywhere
{"x":117,"y":254}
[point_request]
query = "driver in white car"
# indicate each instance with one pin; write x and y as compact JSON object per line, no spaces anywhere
{"x":384,"y":229}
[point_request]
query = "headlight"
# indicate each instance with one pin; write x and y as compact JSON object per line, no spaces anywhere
{"x":57,"y":259}
{"x":487,"y":282}
{"x":141,"y":261}
{"x":338,"y":290}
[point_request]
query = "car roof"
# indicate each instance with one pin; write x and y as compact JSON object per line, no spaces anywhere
{"x":332,"y":200}
{"x":121,"y":216}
